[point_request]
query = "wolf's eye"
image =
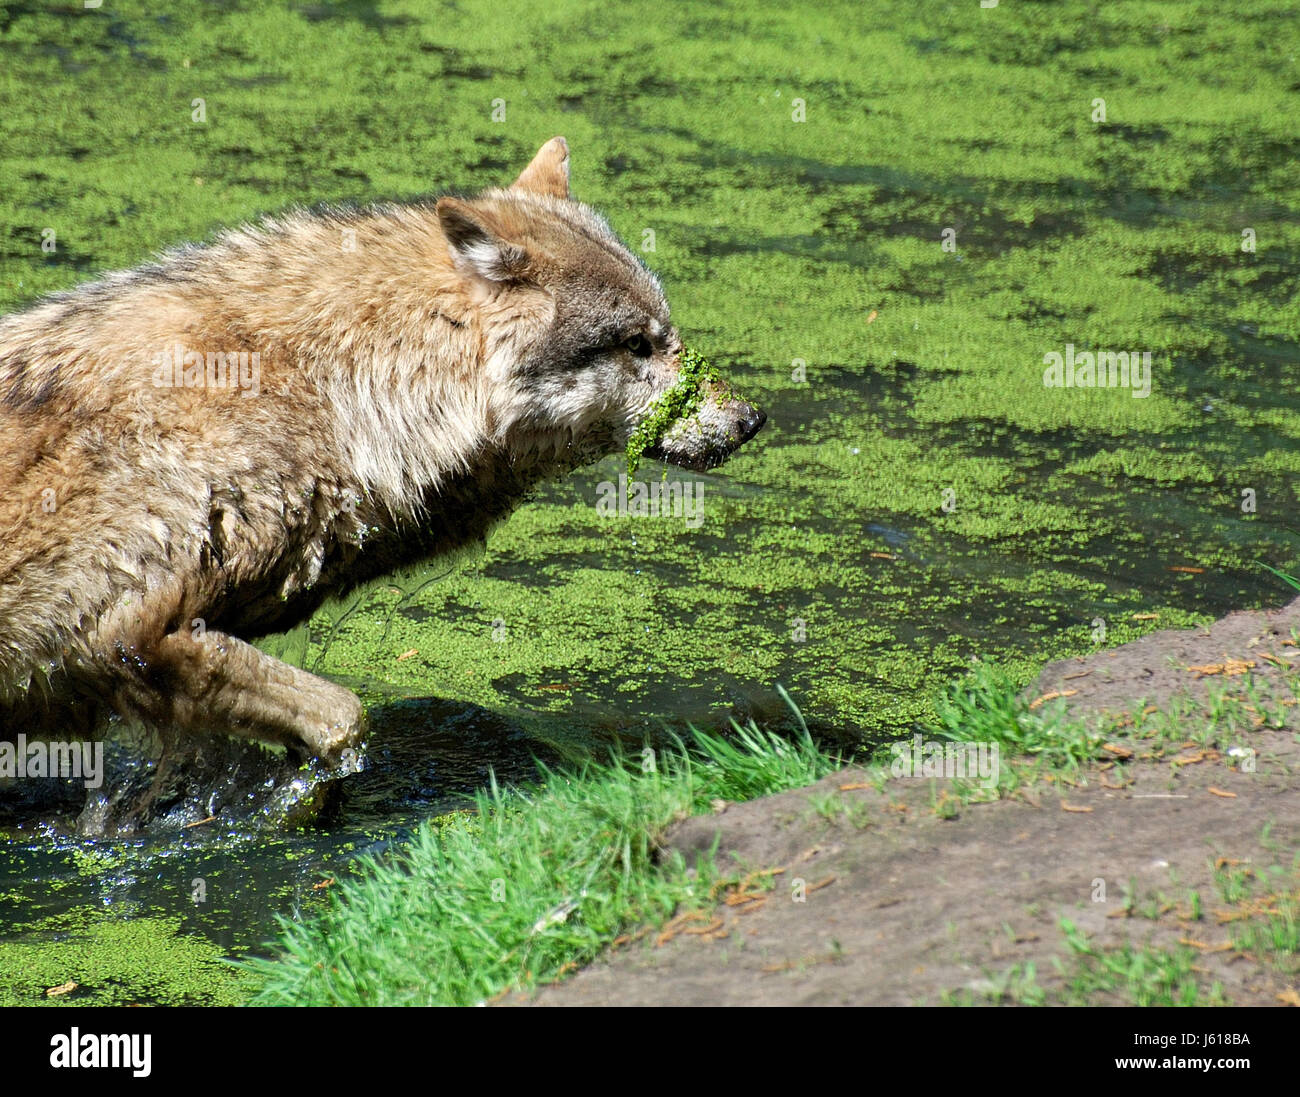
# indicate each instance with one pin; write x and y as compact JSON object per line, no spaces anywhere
{"x":639,"y":345}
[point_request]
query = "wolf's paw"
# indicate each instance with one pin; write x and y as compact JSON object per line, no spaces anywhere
{"x":335,"y":734}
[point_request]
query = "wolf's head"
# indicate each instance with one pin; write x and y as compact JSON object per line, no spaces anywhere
{"x":579,"y":343}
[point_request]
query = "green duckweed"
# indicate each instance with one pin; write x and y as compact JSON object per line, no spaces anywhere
{"x":679,"y":402}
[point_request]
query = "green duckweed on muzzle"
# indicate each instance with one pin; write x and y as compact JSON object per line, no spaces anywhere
{"x":679,"y":402}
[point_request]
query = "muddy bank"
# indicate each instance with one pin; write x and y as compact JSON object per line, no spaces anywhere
{"x":1182,"y":851}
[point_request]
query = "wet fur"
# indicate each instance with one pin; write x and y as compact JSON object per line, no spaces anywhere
{"x":412,"y":389}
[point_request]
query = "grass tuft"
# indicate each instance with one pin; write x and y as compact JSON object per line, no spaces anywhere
{"x":531,"y":883}
{"x":986,"y":706}
{"x":1289,"y":579}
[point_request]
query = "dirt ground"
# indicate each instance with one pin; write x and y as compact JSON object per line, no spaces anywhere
{"x":902,"y":906}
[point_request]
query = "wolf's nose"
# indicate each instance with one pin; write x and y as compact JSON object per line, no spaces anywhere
{"x":750,"y":424}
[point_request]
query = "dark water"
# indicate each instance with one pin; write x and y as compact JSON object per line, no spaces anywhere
{"x":424,"y":758}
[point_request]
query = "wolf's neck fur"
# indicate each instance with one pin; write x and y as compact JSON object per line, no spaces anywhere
{"x":414,"y":407}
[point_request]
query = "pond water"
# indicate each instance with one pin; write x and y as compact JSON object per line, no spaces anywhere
{"x":919,"y":498}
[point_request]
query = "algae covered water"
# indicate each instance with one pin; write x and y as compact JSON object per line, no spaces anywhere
{"x":899,"y":231}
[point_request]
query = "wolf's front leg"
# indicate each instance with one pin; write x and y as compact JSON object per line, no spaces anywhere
{"x":221,"y":684}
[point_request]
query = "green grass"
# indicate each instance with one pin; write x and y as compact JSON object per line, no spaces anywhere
{"x":1046,"y":744}
{"x":1093,"y":975}
{"x":1133,"y":975}
{"x":1276,"y":939}
{"x":1017,"y":985}
{"x":987,"y":705}
{"x":753,"y":762}
{"x":530,"y":882}
{"x":1266,"y":922}
{"x":1290,"y":580}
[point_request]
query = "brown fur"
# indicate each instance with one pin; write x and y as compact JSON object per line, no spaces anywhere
{"x":421,"y":366}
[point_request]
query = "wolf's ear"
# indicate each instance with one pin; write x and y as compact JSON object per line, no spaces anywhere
{"x":549,"y":171}
{"x":476,"y":247}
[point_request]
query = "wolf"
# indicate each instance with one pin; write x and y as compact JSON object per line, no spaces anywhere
{"x":208,"y":446}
